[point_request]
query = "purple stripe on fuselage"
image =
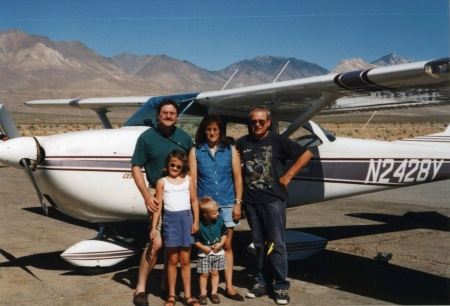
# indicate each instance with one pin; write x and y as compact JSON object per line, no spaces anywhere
{"x":86,"y":163}
{"x":371,"y":171}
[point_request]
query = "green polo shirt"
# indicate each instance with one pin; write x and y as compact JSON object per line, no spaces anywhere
{"x":152,"y":149}
{"x":210,"y":234}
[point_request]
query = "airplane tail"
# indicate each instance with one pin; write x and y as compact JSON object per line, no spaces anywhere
{"x":7,"y":123}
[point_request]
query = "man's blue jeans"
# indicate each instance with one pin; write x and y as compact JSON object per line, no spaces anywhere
{"x":268,"y":222}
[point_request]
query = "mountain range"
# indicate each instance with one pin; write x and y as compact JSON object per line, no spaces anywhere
{"x":35,"y":67}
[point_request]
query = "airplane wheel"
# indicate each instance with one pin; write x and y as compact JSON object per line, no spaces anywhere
{"x":92,"y":270}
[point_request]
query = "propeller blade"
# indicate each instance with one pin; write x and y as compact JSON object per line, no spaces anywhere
{"x":7,"y":123}
{"x":26,"y":166}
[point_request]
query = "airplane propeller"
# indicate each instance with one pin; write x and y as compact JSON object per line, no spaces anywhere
{"x":25,"y":163}
{"x":8,"y":124}
{"x":25,"y":151}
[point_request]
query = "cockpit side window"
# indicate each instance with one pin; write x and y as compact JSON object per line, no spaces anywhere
{"x":304,"y":136}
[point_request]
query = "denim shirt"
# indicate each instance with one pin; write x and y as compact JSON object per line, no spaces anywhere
{"x":215,"y":175}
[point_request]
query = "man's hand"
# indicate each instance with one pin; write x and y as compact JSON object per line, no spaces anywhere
{"x":284,"y":181}
{"x":152,"y":204}
{"x":299,"y":164}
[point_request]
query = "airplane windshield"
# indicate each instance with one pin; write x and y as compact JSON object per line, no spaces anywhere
{"x":146,"y":115}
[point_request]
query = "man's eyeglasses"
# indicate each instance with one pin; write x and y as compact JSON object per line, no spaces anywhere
{"x":258,"y":121}
{"x":175,"y":166}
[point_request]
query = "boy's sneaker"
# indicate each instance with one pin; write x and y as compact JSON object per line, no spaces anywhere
{"x":281,"y":296}
{"x":256,"y":291}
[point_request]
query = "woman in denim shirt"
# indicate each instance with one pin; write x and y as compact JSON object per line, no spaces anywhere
{"x":215,"y":167}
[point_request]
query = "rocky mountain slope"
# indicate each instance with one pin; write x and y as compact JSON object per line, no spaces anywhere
{"x":35,"y":67}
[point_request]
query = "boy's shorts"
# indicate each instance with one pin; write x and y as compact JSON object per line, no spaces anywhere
{"x":211,"y":262}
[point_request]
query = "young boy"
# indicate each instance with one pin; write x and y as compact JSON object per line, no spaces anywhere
{"x":209,"y":241}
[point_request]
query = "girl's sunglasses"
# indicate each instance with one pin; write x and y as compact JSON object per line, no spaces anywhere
{"x":175,"y":166}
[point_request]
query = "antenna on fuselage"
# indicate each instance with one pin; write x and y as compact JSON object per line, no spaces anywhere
{"x":274,"y":99}
{"x":229,"y":80}
{"x":368,"y":120}
{"x":281,"y":72}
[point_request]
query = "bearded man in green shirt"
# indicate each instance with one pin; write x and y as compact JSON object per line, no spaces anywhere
{"x":151,"y":151}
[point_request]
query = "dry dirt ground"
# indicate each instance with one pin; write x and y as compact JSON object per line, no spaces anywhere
{"x":410,"y":223}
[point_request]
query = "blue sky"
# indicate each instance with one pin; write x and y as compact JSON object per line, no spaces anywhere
{"x":214,"y":34}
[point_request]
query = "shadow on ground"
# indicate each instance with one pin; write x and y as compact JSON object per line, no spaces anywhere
{"x":340,"y":271}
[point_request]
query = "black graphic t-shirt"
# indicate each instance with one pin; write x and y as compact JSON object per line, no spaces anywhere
{"x":263,"y":164}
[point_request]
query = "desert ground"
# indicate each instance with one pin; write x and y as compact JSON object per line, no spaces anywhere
{"x":410,"y":223}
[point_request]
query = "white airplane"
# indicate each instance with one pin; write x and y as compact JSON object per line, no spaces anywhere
{"x":87,"y":174}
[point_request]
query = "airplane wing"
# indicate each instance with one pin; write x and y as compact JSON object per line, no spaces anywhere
{"x":101,"y":106}
{"x":301,"y":99}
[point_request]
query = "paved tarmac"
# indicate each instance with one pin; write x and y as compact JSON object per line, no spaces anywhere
{"x":410,"y":223}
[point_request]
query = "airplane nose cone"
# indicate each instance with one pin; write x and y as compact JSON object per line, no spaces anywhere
{"x":13,"y":150}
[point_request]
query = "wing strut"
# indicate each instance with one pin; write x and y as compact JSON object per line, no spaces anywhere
{"x":101,"y":113}
{"x":326,"y":99}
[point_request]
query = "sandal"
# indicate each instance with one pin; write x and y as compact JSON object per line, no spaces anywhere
{"x":203,"y":300}
{"x":171,"y":300}
{"x":164,"y":294}
{"x":215,"y":299}
{"x":193,"y":301}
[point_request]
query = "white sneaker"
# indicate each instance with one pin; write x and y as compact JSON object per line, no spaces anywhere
{"x":281,"y":296}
